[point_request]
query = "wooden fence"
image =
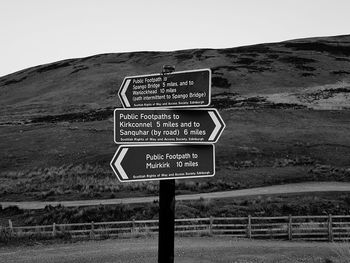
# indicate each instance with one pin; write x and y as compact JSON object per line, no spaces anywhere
{"x":310,"y":228}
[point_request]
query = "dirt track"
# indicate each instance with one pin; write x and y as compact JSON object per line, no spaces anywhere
{"x":194,"y":250}
{"x":275,"y":189}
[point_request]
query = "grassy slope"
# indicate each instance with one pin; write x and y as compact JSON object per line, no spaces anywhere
{"x":90,"y":83}
{"x":259,"y":147}
{"x":56,"y":132}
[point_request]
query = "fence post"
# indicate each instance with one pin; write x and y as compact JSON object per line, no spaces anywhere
{"x":133,"y":228}
{"x":11,"y":228}
{"x":92,"y":231}
{"x":330,"y":228}
{"x":290,"y":228}
{"x":211,"y":225}
{"x":249,"y":227}
{"x":54,"y":229}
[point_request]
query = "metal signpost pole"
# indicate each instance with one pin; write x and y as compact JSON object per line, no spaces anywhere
{"x":166,"y":221}
{"x":166,"y":227}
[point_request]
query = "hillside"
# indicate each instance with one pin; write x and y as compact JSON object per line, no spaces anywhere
{"x":91,"y":83}
{"x":286,"y":106}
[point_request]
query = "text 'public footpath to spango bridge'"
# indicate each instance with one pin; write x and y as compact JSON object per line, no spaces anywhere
{"x":179,"y":89}
{"x":146,"y":162}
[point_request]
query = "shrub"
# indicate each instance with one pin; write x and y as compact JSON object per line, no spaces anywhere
{"x":220,"y":82}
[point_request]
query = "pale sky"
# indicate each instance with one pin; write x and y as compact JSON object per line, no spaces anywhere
{"x":34,"y":32}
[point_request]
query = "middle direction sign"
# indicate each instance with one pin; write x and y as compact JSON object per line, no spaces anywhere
{"x":167,"y":126}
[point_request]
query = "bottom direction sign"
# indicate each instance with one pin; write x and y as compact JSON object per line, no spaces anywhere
{"x":144,"y":162}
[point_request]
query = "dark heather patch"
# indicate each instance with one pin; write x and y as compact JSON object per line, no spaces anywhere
{"x":342,"y":59}
{"x":246,"y":61}
{"x":255,"y":69}
{"x":264,"y":62}
{"x":218,"y":68}
{"x":13,"y":81}
{"x":273,"y":56}
{"x":143,"y":53}
{"x":220,"y":82}
{"x":325,"y":94}
{"x":306,"y":74}
{"x":296,"y":60}
{"x":254,"y":55}
{"x":79,"y":68}
{"x":229,"y":101}
{"x":334,"y":49}
{"x":261,"y":48}
{"x":199,"y":52}
{"x":340,"y":72}
{"x":53,"y":66}
{"x":339,"y":90}
{"x":305,"y":68}
{"x":183,"y":56}
{"x":97,"y":115}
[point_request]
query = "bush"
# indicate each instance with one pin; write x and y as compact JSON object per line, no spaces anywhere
{"x":5,"y":235}
{"x":220,"y":82}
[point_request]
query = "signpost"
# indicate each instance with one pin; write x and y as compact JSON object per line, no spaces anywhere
{"x":190,"y":134}
{"x":167,"y":126}
{"x":190,"y":88}
{"x":146,"y":162}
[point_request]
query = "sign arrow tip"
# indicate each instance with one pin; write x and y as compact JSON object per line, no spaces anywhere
{"x":123,"y":90}
{"x":219,"y":125}
{"x":116,"y":163}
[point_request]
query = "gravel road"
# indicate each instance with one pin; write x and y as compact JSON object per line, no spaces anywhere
{"x":275,"y":189}
{"x":194,"y":250}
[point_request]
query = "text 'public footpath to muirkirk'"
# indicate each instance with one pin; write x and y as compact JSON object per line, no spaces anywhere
{"x":163,"y":162}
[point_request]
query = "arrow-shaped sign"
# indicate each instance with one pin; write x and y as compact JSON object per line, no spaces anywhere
{"x":165,"y":126}
{"x":144,"y":163}
{"x":190,"y":88}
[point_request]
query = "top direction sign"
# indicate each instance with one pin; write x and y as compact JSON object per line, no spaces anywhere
{"x":190,"y":88}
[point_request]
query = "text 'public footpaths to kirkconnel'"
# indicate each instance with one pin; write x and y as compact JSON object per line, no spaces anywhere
{"x":167,"y":125}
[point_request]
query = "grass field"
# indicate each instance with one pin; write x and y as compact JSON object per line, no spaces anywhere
{"x":259,"y":147}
